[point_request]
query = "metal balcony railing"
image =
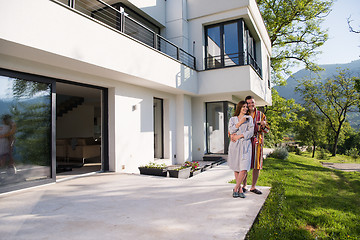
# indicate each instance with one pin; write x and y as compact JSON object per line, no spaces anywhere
{"x":232,"y":59}
{"x":253,"y":63}
{"x":118,"y":19}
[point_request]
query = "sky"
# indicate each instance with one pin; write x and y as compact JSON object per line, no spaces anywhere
{"x":342,"y":46}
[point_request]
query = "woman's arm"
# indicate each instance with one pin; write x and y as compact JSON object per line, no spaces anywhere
{"x":249,"y":130}
{"x":232,"y":126}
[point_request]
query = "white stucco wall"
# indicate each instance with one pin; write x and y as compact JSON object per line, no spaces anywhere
{"x":184,"y":129}
{"x":130,"y":132}
{"x":54,"y":35}
{"x":177,"y":25}
{"x":206,"y":12}
{"x":134,"y":137}
{"x":154,"y":8}
{"x":41,"y":37}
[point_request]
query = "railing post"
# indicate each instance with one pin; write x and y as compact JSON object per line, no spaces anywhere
{"x":156,"y":41}
{"x":178,"y":53}
{"x":122,"y":19}
{"x":71,"y":3}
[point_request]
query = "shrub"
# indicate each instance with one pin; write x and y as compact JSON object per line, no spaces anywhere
{"x":280,"y":153}
{"x":322,"y":154}
{"x":309,"y":149}
{"x":353,"y":152}
{"x":291,"y":148}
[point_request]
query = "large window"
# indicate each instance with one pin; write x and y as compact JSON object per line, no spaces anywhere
{"x":230,"y":44}
{"x":158,"y":128}
{"x":25,"y":132}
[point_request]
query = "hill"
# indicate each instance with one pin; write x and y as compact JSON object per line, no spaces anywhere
{"x":288,"y":91}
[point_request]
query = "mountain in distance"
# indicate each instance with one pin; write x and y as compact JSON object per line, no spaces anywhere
{"x":288,"y":91}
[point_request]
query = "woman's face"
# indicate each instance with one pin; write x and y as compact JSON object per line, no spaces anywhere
{"x":244,"y":109}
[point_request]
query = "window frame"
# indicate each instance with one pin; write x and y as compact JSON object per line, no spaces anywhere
{"x":244,"y":57}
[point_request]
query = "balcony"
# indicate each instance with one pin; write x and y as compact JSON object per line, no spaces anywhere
{"x":115,"y":17}
{"x":235,"y":59}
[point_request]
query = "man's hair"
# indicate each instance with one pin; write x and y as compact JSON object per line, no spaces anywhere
{"x":249,"y":97}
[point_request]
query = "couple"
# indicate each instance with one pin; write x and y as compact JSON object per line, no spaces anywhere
{"x":246,"y":130}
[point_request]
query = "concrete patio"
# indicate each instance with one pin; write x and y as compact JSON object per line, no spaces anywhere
{"x":131,"y":206}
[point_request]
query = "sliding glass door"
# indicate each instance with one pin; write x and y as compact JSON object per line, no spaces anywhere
{"x":25,"y":130}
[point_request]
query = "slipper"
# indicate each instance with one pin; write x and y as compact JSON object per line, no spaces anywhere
{"x":235,"y":194}
{"x":256,"y":191}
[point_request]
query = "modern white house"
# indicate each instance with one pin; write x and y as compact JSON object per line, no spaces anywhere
{"x":115,"y":84}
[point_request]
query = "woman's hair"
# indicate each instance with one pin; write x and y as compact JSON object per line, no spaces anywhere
{"x":238,"y":108}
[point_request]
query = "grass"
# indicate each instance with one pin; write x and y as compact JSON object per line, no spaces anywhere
{"x":307,"y":201}
{"x":337,"y":159}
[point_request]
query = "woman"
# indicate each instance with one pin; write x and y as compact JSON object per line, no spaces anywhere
{"x":241,"y":127}
{"x":4,"y":144}
{"x":7,"y":140}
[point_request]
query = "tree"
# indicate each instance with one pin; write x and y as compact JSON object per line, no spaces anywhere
{"x":32,"y":114}
{"x":352,"y":140}
{"x":334,"y":98}
{"x":351,"y":29}
{"x":311,"y":131}
{"x":282,"y":116}
{"x":295,"y":33}
{"x":23,"y":88}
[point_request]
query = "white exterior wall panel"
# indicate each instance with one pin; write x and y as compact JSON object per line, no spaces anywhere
{"x":82,"y":42}
{"x":153,"y":8}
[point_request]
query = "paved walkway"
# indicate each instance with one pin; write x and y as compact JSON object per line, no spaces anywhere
{"x":348,"y":167}
{"x":124,"y":206}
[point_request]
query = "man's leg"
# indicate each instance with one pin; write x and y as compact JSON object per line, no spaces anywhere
{"x":255,"y":177}
{"x":253,"y":189}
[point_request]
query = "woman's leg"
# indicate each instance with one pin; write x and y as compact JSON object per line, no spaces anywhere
{"x":240,"y":179}
{"x":236,"y":188}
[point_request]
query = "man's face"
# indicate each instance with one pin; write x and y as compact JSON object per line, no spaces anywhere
{"x":251,"y":104}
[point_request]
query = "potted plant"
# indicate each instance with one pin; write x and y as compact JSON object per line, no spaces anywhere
{"x":155,"y":169}
{"x":194,"y":167}
{"x":180,"y":172}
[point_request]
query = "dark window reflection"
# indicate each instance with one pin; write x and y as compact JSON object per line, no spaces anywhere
{"x":228,"y":44}
{"x":25,"y":131}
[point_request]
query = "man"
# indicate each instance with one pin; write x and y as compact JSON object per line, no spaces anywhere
{"x":257,"y":141}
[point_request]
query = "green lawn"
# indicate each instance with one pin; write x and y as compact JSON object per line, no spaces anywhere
{"x":337,"y":159}
{"x":307,"y":201}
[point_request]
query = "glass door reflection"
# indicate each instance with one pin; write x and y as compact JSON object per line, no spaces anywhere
{"x":25,"y":131}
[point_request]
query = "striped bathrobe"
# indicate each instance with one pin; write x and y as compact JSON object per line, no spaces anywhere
{"x":257,"y":140}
